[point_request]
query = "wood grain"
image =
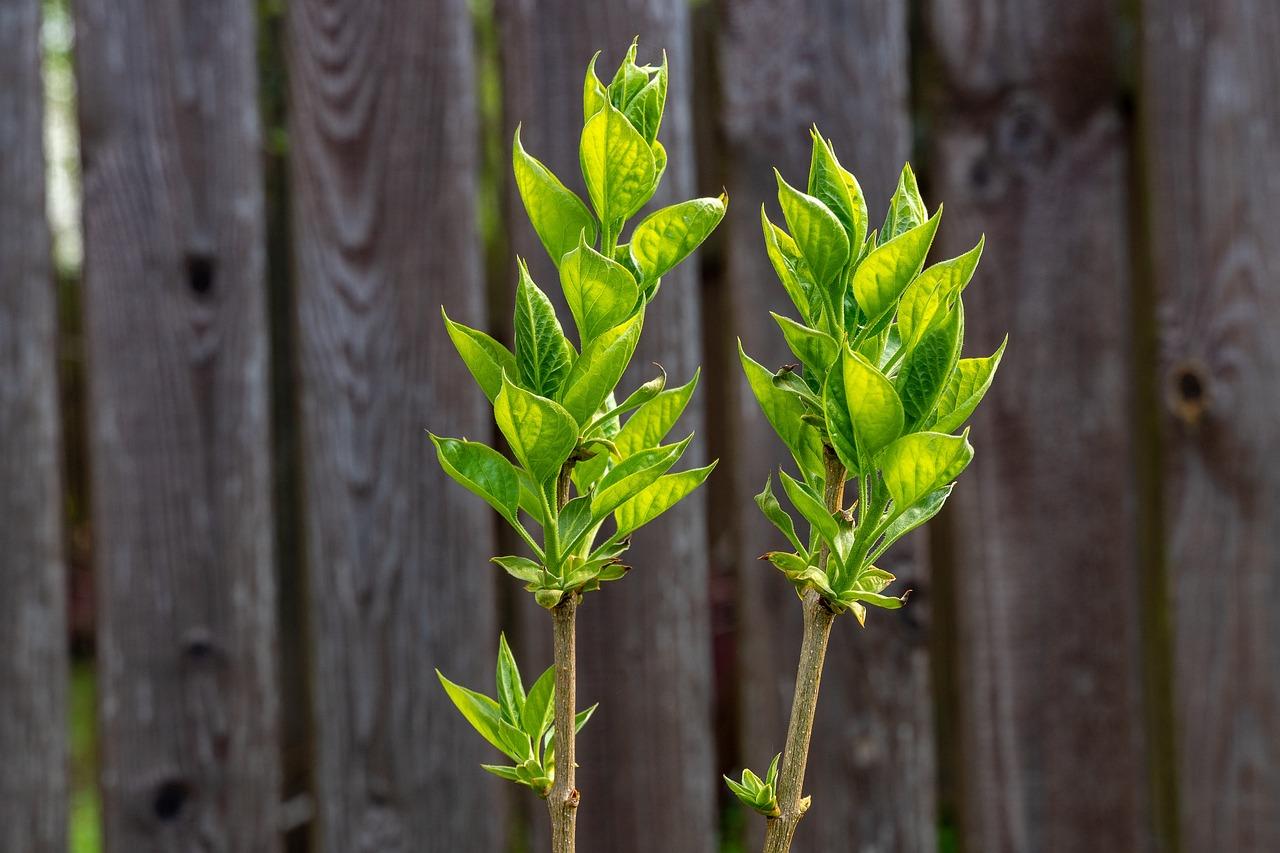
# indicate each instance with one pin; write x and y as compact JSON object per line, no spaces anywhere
{"x":33,"y":639}
{"x":645,"y":642}
{"x":1029,"y":146}
{"x":783,"y":67}
{"x":175,"y":322}
{"x":384,"y":163}
{"x":1211,"y":147}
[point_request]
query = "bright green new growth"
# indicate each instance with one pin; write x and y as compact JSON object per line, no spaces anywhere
{"x":583,"y":462}
{"x":881,"y":388}
{"x":517,"y":723}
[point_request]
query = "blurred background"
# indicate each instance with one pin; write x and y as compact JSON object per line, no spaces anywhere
{"x":229,"y":562}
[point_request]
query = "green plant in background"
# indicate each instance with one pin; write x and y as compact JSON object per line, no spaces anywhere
{"x":880,"y":391}
{"x":583,"y":460}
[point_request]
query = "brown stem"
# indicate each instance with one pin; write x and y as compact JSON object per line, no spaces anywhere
{"x":813,"y":653}
{"x":562,"y":801}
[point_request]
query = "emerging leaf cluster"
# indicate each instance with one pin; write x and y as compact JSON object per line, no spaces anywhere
{"x":581,"y":457}
{"x":759,"y":794}
{"x":880,"y":387}
{"x":518,"y":724}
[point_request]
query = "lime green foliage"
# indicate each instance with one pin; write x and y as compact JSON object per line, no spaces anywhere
{"x":587,"y":471}
{"x":756,"y":793}
{"x":881,"y":387}
{"x":520,"y":725}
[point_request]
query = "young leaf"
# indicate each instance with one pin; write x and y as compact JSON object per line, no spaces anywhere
{"x":558,"y":216}
{"x":906,"y":208}
{"x":520,"y":568}
{"x":482,"y":470}
{"x":816,"y":349}
{"x":600,"y":291}
{"x":925,"y":300}
{"x":858,"y":245}
{"x":541,"y":433}
{"x":655,"y":499}
{"x":575,"y":519}
{"x":483,"y":356}
{"x":965,"y":389}
{"x":596,"y":372}
{"x":539,"y":705}
{"x":888,"y":602}
{"x":827,"y":185}
{"x":820,"y":236}
{"x":785,"y":413}
{"x":632,"y":475}
{"x":653,"y":420}
{"x":918,"y":464}
{"x":666,"y":237}
{"x":644,"y":108}
{"x":502,"y":772}
{"x":874,"y":408}
{"x":775,"y":513}
{"x":835,"y":411}
{"x":912,"y":518}
{"x":510,"y":687}
{"x":479,"y":710}
{"x":790,"y":266}
{"x":617,"y":165}
{"x":925,"y":370}
{"x":542,"y":353}
{"x":594,"y":95}
{"x":885,"y":273}
{"x":811,"y":507}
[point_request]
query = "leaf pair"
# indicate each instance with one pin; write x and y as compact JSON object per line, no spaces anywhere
{"x":518,"y":724}
{"x":758,"y":794}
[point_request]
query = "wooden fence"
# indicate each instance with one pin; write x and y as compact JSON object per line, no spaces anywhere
{"x":1091,"y":661}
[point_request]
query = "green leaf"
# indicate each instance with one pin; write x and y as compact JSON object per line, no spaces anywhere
{"x":541,"y":432}
{"x":503,"y":772}
{"x":478,"y":710}
{"x":575,"y":519}
{"x":811,"y":507}
{"x":482,"y":470}
{"x":519,"y":745}
{"x":643,"y":394}
{"x":820,"y":236}
{"x":790,"y":266}
{"x":633,"y":475}
{"x":510,"y":687}
{"x":965,"y":389}
{"x":910,"y":519}
{"x":580,"y":719}
{"x":600,"y":291}
{"x":926,"y":299}
{"x":644,"y":108}
{"x":629,"y":79}
{"x":594,"y":95}
{"x":558,"y":216}
{"x":483,"y":356}
{"x":596,"y":372}
{"x":872,"y":579}
{"x":543,"y":355}
{"x":617,"y":165}
{"x":885,"y":273}
{"x":835,"y":410}
{"x":925,"y":370}
{"x":827,"y":185}
{"x":816,"y":349}
{"x":666,"y":237}
{"x":520,"y":568}
{"x":777,"y":515}
{"x":655,"y":499}
{"x":653,"y":420}
{"x":858,"y":236}
{"x":923,"y":462}
{"x":539,"y":705}
{"x":785,"y":413}
{"x":906,"y":208}
{"x":888,"y":602}
{"x":874,"y":408}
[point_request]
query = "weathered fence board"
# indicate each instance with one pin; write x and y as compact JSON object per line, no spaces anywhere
{"x":384,"y":163}
{"x":1211,"y":138}
{"x":785,"y":66}
{"x":645,"y":642}
{"x":175,"y":320}
{"x":1029,"y":146}
{"x":33,"y":642}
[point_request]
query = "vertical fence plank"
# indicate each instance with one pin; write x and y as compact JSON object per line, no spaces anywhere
{"x":645,"y":642}
{"x":179,"y":436}
{"x":33,"y":644}
{"x":785,"y":66}
{"x":1029,"y":146}
{"x":383,"y":136}
{"x":1212,"y":150}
